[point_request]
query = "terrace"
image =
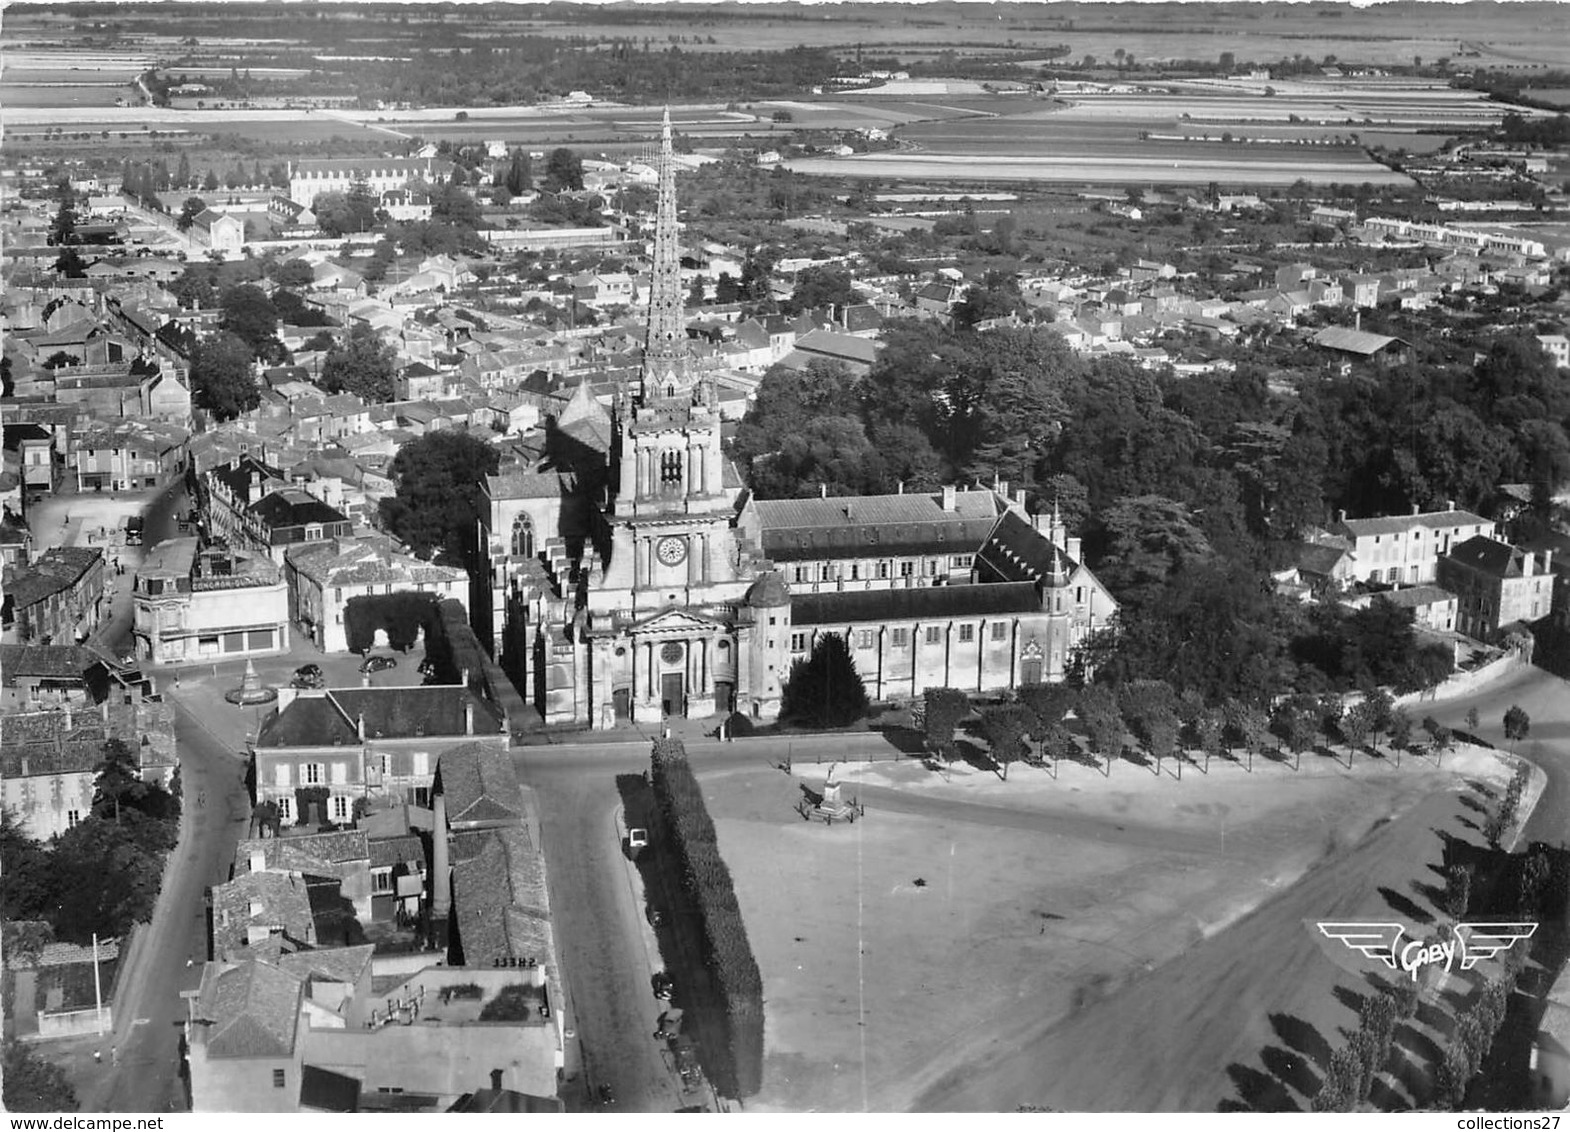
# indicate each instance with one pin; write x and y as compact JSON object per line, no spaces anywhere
{"x":455,"y":996}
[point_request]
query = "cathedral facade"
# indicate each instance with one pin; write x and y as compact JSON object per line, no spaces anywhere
{"x":633,"y":578}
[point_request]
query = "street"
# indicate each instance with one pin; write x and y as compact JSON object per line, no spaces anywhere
{"x":147,"y":1032}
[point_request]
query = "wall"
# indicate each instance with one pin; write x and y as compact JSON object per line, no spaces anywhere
{"x":71,"y":1023}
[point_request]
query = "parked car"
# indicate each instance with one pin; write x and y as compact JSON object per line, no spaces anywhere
{"x":378,"y":663}
{"x":662,"y":984}
{"x":308,"y":676}
{"x":427,"y":667}
{"x":656,"y":917}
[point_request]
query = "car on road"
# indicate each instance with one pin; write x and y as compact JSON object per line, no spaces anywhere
{"x":662,"y":984}
{"x":378,"y":663}
{"x":607,"y":1097}
{"x":656,"y":917}
{"x":308,"y":676}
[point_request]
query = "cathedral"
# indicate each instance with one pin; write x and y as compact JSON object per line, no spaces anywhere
{"x":634,"y":578}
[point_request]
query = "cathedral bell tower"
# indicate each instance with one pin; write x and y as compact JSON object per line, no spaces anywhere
{"x":671,"y":510}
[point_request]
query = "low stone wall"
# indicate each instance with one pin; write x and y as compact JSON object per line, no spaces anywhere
{"x":1463,"y":682}
{"x":71,"y":1023}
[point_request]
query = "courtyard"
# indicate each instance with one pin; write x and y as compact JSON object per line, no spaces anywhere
{"x":940,"y":952}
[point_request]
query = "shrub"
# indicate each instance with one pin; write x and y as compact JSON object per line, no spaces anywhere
{"x":738,"y":1068}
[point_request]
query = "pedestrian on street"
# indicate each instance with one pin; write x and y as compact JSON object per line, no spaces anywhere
{"x":114,"y":1055}
{"x":98,"y":1057}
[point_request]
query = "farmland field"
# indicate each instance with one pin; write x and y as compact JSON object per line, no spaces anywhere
{"x":1279,"y":169}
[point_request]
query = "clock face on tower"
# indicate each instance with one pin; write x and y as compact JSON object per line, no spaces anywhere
{"x":671,"y":550}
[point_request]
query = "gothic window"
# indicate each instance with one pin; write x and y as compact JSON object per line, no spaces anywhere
{"x":670,"y":467}
{"x":523,"y":537}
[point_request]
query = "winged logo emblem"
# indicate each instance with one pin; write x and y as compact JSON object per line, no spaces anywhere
{"x":1375,"y":940}
{"x":1484,"y":941}
{"x":1471,"y":943}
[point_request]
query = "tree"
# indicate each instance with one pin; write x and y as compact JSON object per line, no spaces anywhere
{"x":519,"y":178}
{"x":824,"y":689}
{"x":1400,"y":731}
{"x":33,"y":1084}
{"x":70,"y":264}
{"x":697,"y":296}
{"x":452,"y":204}
{"x":363,"y":365}
{"x":294,"y":273}
{"x":563,"y":171}
{"x":1097,"y":709}
{"x":822,"y":285}
{"x":1004,"y":728}
{"x":118,"y":781}
{"x":250,"y":314}
{"x":223,"y":380}
{"x":1458,"y":890}
{"x":436,"y":504}
{"x":182,"y":177}
{"x":338,"y":214}
{"x":1208,"y":725}
{"x":945,"y":707}
{"x":62,"y":229}
{"x":1057,"y":744}
{"x":1149,"y":538}
{"x":210,"y":182}
{"x":1355,"y":727}
{"x":1517,"y":724}
{"x":189,"y":211}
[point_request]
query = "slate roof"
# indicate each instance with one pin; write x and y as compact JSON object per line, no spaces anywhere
{"x":332,"y":563}
{"x":335,"y":964}
{"x":480,"y":784}
{"x":253,"y":1007}
{"x":1317,"y":558}
{"x":430,"y":711}
{"x":291,"y":507}
{"x":1489,"y":556}
{"x":527,"y":485}
{"x":1398,"y":524}
{"x":1415,"y":597}
{"x":1018,"y":552}
{"x":918,"y":604}
{"x":874,"y":525}
{"x":47,"y":743}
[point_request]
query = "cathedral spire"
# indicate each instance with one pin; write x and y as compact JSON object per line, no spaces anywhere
{"x":665,"y":370}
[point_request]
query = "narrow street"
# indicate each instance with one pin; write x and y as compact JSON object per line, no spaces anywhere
{"x":147,"y":1024}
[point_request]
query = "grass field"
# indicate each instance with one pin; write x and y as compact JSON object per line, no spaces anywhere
{"x":928,"y":956}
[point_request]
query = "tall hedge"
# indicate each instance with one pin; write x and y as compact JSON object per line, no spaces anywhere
{"x":402,"y":614}
{"x":726,"y":950}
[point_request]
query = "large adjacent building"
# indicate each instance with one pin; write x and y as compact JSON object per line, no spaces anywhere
{"x":209,"y":604}
{"x":633,"y":578}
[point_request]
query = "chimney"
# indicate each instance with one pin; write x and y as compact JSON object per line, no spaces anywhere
{"x":1341,"y":516}
{"x":948,"y":497}
{"x":902,"y":487}
{"x":1528,"y":560}
{"x":1002,"y":488}
{"x":1450,"y":505}
{"x":1415,"y":509}
{"x":464,"y":679}
{"x":823,"y":491}
{"x":258,"y":861}
{"x":359,"y":725}
{"x":1548,"y":562}
{"x":468,"y":718}
{"x":1072,"y":549}
{"x":496,"y":1079}
{"x":441,"y":882}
